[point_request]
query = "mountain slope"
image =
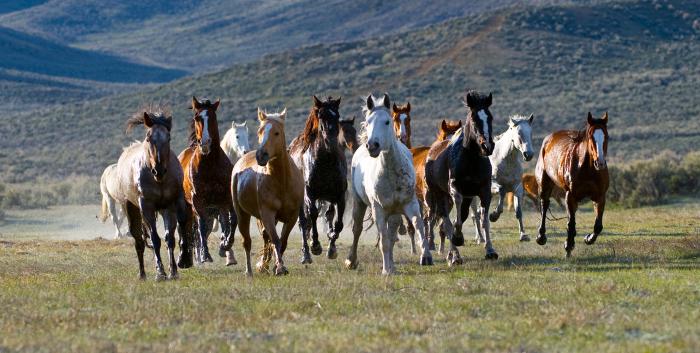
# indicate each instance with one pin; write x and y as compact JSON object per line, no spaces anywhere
{"x":636,"y":59}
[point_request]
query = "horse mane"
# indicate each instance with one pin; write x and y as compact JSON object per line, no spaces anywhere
{"x":160,"y":115}
{"x":478,"y":97}
{"x":308,"y":136}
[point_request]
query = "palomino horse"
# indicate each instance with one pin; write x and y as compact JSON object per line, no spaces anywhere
{"x":532,"y":191}
{"x":402,"y":122}
{"x":235,"y":142}
{"x":150,"y":181}
{"x":507,"y":170}
{"x":207,"y":177}
{"x":108,"y":187}
{"x":383,"y":179}
{"x":458,"y":169}
{"x":317,"y":153}
{"x":268,"y":186}
{"x":575,"y":162}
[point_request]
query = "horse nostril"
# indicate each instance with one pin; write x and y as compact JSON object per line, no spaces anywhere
{"x":154,"y":171}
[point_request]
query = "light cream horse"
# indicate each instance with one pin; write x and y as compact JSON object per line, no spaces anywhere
{"x":110,"y":208}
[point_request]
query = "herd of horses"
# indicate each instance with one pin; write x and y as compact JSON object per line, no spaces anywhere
{"x":405,"y":188}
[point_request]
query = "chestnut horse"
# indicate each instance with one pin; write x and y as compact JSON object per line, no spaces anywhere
{"x":317,"y":153}
{"x":268,"y":186}
{"x":149,"y":182}
{"x":575,"y":162}
{"x":532,"y":191}
{"x":401,"y":115}
{"x":458,"y":169}
{"x":207,"y":176}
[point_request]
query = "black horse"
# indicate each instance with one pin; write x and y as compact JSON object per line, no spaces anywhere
{"x":458,"y":169}
{"x":318,"y":154}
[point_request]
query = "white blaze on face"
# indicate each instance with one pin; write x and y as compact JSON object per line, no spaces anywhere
{"x":599,"y":138}
{"x":485,"y":124}
{"x":403,"y":130}
{"x":241,"y":138}
{"x":266,"y":134}
{"x":205,"y":127}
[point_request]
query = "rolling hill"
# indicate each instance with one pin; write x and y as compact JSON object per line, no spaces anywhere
{"x":638,"y":60}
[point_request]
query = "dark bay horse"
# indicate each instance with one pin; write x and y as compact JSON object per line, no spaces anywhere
{"x":348,"y":135}
{"x":207,"y":175}
{"x":266,"y":184}
{"x":150,"y":182}
{"x":457,"y":170}
{"x":317,"y":153}
{"x":575,"y":162}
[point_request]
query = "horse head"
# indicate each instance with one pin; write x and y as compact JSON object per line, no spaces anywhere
{"x":521,"y":137}
{"x":447,"y":128}
{"x":597,"y":140}
{"x":478,"y":122}
{"x":271,"y":139}
{"x":380,"y":134}
{"x":204,"y":127}
{"x":157,"y":141}
{"x":402,"y":122}
{"x":328,"y":119}
{"x":240,"y":137}
{"x":348,"y":134}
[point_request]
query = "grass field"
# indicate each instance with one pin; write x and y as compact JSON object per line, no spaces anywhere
{"x":637,"y":289}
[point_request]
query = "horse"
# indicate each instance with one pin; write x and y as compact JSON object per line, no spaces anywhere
{"x":318,"y":154}
{"x":575,"y":162}
{"x":108,"y":186}
{"x":383,"y":180}
{"x":235,"y":142}
{"x":532,"y":191}
{"x":507,"y":170}
{"x":207,"y":177}
{"x":401,"y":115}
{"x":458,"y":169}
{"x":348,"y":135}
{"x":446,"y":129}
{"x":149,"y":182}
{"x":267,"y":185}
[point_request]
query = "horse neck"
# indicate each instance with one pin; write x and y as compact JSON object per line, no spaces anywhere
{"x":279,"y":168}
{"x":504,"y":148}
{"x":391,"y":158}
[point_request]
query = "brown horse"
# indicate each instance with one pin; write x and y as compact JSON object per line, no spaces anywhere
{"x":348,"y":135}
{"x":575,"y":162}
{"x":401,"y":115}
{"x":532,"y":191}
{"x":149,"y":181}
{"x":268,"y":186}
{"x":207,"y":176}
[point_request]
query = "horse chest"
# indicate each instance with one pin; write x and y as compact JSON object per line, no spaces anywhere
{"x":395,"y":188}
{"x":326,"y":176}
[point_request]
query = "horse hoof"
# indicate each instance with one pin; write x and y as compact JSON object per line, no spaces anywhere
{"x":248,"y":274}
{"x":524,"y":237}
{"x":590,"y":239}
{"x":160,"y":276}
{"x":493,"y":217}
{"x":431,"y":245}
{"x":222,"y":252}
{"x":306,"y":259}
{"x":207,"y":258}
{"x":281,"y":271}
{"x":454,"y":261}
{"x":458,"y":239}
{"x":426,"y":261}
{"x":332,"y":253}
{"x":231,"y":262}
{"x":568,"y":254}
{"x":351,"y":265}
{"x":261,"y":268}
{"x":185,"y":261}
{"x":316,"y":248}
{"x":491,"y":255}
{"x":230,"y":258}
{"x":142,"y":276}
{"x":174,"y":276}
{"x":387,"y":272}
{"x":541,"y":239}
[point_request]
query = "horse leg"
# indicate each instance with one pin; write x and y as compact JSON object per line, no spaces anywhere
{"x":244,"y":227}
{"x":337,"y":226}
{"x":476,"y":219}
{"x":546,"y":186}
{"x":599,"y":208}
{"x":457,"y":236}
{"x":149,"y":219}
{"x":263,"y":263}
{"x":485,"y":199}
{"x":358,"y":216}
{"x":517,"y":200}
{"x":133,"y":217}
{"x":184,"y":222}
{"x":202,"y":222}
{"x":411,"y":234}
{"x":329,"y":216}
{"x":316,"y":247}
{"x":305,"y":228}
{"x":170,"y":221}
{"x":229,"y":222}
{"x":114,"y":216}
{"x":571,"y":206}
{"x":413,"y":214}
{"x":453,"y":257}
{"x":386,"y":238}
{"x":493,"y":217}
{"x":268,"y":220}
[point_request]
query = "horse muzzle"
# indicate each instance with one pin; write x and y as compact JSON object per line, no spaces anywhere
{"x":486,"y":149}
{"x":373,"y":149}
{"x":159,"y":173}
{"x":262,"y":157}
{"x":600,"y":165}
{"x":527,"y":155}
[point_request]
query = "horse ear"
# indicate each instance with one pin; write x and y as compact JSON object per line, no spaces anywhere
{"x":370,"y":103}
{"x":147,"y":120}
{"x":261,"y":115}
{"x":233,"y":124}
{"x":215,"y":106}
{"x":511,"y":122}
{"x":394,"y":108}
{"x":408,"y":106}
{"x":337,"y":102}
{"x":489,"y":100}
{"x":605,"y":118}
{"x":352,"y":120}
{"x":317,"y":102}
{"x":531,"y":118}
{"x":443,"y":125}
{"x":469,"y":100}
{"x":283,"y":114}
{"x":195,"y":103}
{"x":387,"y":101}
{"x":590,"y":118}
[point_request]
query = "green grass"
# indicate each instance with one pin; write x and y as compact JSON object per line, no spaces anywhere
{"x":634,"y":290}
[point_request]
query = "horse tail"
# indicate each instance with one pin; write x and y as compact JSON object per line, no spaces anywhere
{"x":104,"y":213}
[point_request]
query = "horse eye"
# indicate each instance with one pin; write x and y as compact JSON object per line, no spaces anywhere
{"x":387,"y":122}
{"x":277,"y":133}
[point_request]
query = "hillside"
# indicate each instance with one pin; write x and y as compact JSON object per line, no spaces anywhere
{"x":638,"y":60}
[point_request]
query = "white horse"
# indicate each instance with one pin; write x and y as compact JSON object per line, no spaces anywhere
{"x":110,"y":209}
{"x":384,"y":180}
{"x":235,"y":142}
{"x":507,"y":170}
